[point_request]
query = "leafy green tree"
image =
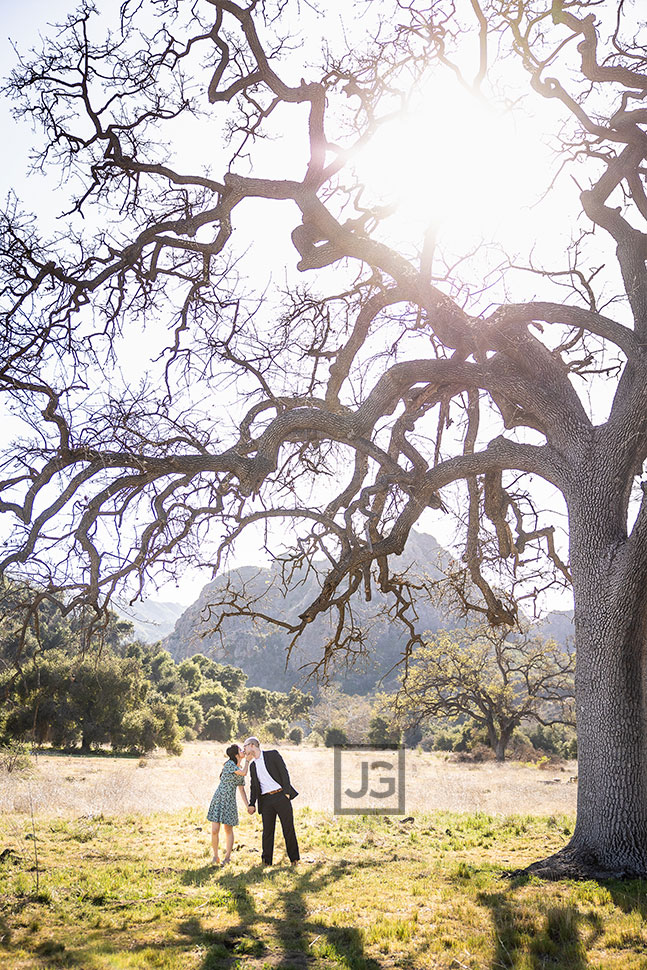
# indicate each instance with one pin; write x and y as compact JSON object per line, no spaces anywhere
{"x":111,"y":632}
{"x":191,"y":675}
{"x":64,"y":700}
{"x":146,"y":728}
{"x":255,"y":705}
{"x":207,"y":666}
{"x":276,"y":729}
{"x":556,"y":739}
{"x":451,"y":737}
{"x":295,"y":705}
{"x":491,"y":676}
{"x":382,"y":732}
{"x":190,"y":714}
{"x":31,"y":622}
{"x":99,"y":695}
{"x":211,"y":695}
{"x":35,"y":705}
{"x":164,"y":674}
{"x":233,"y":679}
{"x":137,"y":731}
{"x":220,"y":724}
{"x":168,"y":734}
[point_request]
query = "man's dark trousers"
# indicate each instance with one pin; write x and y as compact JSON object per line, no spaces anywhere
{"x":273,"y":805}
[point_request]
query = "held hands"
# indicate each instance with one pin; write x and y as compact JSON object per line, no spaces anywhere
{"x":251,"y":809}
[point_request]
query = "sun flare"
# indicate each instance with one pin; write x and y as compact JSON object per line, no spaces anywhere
{"x":455,"y":162}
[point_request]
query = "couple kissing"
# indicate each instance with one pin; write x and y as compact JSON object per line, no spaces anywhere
{"x":270,"y":789}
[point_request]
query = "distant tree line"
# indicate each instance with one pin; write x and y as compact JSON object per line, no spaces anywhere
{"x":471,"y":691}
{"x":61,"y":688}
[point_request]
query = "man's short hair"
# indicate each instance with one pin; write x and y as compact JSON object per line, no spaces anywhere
{"x":252,"y":741}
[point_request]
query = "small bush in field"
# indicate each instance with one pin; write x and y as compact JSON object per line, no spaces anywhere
{"x":15,"y":757}
{"x":478,"y":753}
{"x":296,"y":735}
{"x":335,"y":735}
{"x":277,"y":729}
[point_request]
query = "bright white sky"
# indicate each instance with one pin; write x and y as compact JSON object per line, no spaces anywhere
{"x":466,"y":167}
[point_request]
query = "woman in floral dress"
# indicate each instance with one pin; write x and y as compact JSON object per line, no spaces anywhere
{"x":223,"y":810}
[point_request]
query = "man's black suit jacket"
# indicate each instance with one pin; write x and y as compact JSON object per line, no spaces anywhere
{"x":276,"y":767}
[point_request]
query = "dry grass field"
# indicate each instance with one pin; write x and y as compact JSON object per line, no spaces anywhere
{"x":71,"y":785}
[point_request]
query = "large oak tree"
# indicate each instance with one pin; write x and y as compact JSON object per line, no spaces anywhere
{"x":487,"y":676}
{"x":351,"y":406}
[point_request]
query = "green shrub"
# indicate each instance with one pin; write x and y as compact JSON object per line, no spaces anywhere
{"x":212,"y":696}
{"x":189,"y":714}
{"x":556,"y":739}
{"x":138,"y":732}
{"x":220,"y":724}
{"x":277,"y":729}
{"x":452,"y":737}
{"x":382,"y":732}
{"x":148,"y":728}
{"x":15,"y":758}
{"x":335,"y":735}
{"x":295,"y":735}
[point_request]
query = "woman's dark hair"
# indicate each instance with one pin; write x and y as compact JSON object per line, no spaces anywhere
{"x":232,"y":752}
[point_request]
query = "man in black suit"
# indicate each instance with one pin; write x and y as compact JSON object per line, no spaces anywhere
{"x":272,"y":789}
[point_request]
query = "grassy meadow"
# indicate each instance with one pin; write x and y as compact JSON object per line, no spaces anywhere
{"x":132,"y":890}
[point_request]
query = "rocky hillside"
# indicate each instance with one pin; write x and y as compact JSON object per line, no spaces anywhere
{"x":261,"y":651}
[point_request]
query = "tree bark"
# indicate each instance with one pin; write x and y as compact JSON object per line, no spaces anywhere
{"x":610,"y":837}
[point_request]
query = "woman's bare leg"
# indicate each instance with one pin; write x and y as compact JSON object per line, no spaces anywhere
{"x":229,"y":842}
{"x":215,"y":835}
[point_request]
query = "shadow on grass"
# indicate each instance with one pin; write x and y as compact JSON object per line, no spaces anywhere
{"x":84,"y":755}
{"x":55,"y":955}
{"x":197,"y":877}
{"x":5,"y":934}
{"x":550,"y":935}
{"x":286,"y":925}
{"x":630,"y":896}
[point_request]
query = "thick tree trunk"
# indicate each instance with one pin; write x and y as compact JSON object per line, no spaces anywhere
{"x":499,"y":740}
{"x":610,"y":836}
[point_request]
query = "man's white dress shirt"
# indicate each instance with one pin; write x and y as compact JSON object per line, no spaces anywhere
{"x":265,"y":779}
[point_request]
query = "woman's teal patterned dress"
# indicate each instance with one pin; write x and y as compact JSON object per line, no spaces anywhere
{"x":223,"y":804}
